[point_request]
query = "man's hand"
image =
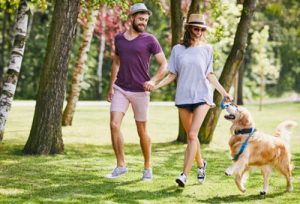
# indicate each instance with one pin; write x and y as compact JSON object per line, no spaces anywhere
{"x":110,"y":95}
{"x":149,"y":85}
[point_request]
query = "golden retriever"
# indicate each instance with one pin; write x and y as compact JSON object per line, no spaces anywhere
{"x":263,"y":151}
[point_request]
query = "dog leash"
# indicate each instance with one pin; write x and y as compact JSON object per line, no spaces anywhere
{"x":230,"y":106}
{"x":244,"y":145}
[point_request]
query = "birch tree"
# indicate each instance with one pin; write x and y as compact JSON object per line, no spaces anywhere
{"x":78,"y":73}
{"x":11,"y":77}
{"x":101,"y":51}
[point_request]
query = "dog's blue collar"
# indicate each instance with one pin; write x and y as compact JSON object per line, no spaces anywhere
{"x":244,"y":145}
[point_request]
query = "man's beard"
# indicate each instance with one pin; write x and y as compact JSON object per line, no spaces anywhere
{"x":136,"y":27}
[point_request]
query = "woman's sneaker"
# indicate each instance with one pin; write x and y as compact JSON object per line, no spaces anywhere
{"x":116,"y":172}
{"x":147,"y":175}
{"x":201,"y":172}
{"x":181,"y":180}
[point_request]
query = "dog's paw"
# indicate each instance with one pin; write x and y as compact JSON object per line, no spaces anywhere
{"x":228,"y":172}
{"x":243,"y":190}
{"x":262,"y":193}
{"x":290,"y":188}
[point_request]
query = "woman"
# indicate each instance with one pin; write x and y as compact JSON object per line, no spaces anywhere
{"x":191,"y":64}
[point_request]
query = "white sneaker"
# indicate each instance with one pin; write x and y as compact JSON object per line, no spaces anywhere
{"x":181,"y":180}
{"x":201,"y":172}
{"x":147,"y":175}
{"x":116,"y":172}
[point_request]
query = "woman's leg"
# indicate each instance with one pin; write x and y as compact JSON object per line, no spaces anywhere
{"x":192,"y":137}
{"x":186,"y":120}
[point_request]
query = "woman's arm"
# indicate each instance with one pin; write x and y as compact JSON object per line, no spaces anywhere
{"x":168,"y":79}
{"x":214,"y":81}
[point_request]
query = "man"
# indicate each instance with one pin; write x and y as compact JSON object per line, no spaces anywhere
{"x":130,"y":83}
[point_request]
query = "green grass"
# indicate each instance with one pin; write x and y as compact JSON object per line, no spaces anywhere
{"x":77,"y":175}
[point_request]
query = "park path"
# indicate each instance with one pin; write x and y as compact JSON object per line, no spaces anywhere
{"x":292,"y":98}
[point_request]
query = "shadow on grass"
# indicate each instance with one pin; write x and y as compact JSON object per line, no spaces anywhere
{"x":239,"y":198}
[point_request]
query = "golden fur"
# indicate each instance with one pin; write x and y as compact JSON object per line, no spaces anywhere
{"x":263,"y":151}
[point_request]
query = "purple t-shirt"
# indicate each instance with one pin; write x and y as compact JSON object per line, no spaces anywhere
{"x":134,"y":60}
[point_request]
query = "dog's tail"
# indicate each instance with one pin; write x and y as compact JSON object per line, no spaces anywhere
{"x":283,"y":130}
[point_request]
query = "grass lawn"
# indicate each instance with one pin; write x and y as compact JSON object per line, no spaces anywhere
{"x":78,"y":175}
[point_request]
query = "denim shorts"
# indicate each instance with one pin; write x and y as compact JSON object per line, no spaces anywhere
{"x":190,"y":107}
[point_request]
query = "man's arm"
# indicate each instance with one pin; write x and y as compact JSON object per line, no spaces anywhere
{"x":114,"y":71}
{"x":161,"y":60}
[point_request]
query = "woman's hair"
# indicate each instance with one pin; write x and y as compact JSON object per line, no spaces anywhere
{"x":187,"y":36}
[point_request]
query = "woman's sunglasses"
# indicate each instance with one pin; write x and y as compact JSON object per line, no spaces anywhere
{"x":197,"y":29}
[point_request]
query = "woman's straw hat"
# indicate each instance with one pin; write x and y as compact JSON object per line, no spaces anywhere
{"x":197,"y":20}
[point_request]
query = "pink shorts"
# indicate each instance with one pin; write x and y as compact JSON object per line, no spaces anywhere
{"x":139,"y":102}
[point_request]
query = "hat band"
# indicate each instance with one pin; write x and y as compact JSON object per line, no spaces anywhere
{"x":194,"y":22}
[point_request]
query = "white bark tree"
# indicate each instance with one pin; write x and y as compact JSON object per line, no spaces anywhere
{"x":101,"y":52}
{"x":11,"y":78}
{"x":78,"y":74}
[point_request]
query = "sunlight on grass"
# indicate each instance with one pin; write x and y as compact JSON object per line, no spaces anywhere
{"x":11,"y":191}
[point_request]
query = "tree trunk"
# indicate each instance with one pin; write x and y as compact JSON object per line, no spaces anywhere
{"x":2,"y":47}
{"x":236,"y":87}
{"x":176,"y":21}
{"x":194,"y":8}
{"x":232,"y":65}
{"x":45,"y":134}
{"x":78,"y":74}
{"x":177,"y":32}
{"x":11,"y":78}
{"x":262,"y":86}
{"x":101,"y":53}
{"x":240,"y":85}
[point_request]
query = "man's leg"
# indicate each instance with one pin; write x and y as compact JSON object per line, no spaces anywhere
{"x":117,"y":137}
{"x":140,"y":107}
{"x":119,"y":106}
{"x":145,"y":142}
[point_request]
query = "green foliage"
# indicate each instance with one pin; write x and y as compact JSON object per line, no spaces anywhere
{"x":222,"y":15}
{"x":280,"y":16}
{"x":12,"y":5}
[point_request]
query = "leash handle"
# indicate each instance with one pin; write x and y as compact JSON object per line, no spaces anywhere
{"x":225,"y":104}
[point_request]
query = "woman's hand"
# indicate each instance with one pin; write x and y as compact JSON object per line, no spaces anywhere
{"x":227,"y":96}
{"x":149,"y":85}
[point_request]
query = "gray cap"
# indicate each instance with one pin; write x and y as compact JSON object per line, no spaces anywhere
{"x":138,"y":8}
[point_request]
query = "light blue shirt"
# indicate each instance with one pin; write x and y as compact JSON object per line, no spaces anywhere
{"x":191,"y":67}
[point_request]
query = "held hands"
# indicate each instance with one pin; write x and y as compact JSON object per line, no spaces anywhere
{"x":149,"y":85}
